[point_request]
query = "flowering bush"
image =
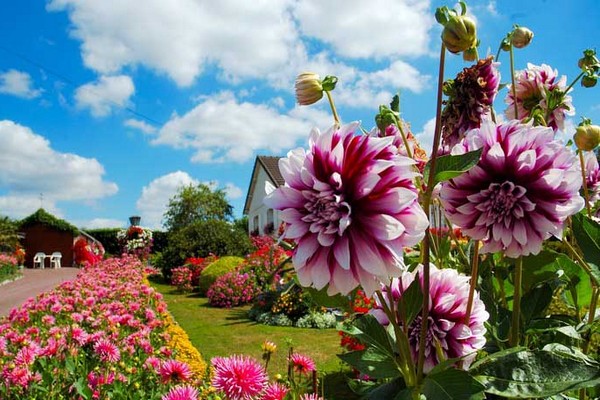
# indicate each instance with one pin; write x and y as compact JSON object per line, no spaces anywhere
{"x":8,"y":266}
{"x":84,"y":254}
{"x":136,"y":240}
{"x":197,"y":265}
{"x":233,"y":289}
{"x":356,"y":202}
{"x":182,"y":278}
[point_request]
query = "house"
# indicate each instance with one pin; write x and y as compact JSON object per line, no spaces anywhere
{"x":43,"y":232}
{"x":262,"y":220}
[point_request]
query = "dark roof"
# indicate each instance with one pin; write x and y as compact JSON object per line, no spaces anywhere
{"x":271,"y":166}
{"x":43,"y":217}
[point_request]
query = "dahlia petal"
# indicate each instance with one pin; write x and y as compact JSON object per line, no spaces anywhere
{"x":342,"y":281}
{"x":393,"y":201}
{"x":384,"y":227}
{"x":320,"y":276}
{"x":341,"y":251}
{"x":496,"y":156}
{"x":526,"y":161}
{"x":284,"y":197}
{"x":307,"y":246}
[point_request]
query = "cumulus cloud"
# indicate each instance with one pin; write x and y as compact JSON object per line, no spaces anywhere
{"x":140,"y":125}
{"x":21,"y":205}
{"x":18,"y":84}
{"x":425,"y":136}
{"x":29,"y":166}
{"x":223,"y":129}
{"x":99,"y":223}
{"x":155,"y":197}
{"x":232,"y":191}
{"x":102,"y":96}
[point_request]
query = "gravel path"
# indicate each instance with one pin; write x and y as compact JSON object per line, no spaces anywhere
{"x":34,"y":282}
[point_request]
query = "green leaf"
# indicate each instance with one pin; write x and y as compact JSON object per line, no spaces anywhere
{"x":587,"y":234}
{"x":411,"y":301}
{"x":394,"y":390}
{"x":535,"y":302}
{"x":522,"y":373}
{"x":450,"y":166}
{"x":452,"y":384}
{"x":368,"y":330}
{"x":372,"y":362}
{"x":321,"y":298}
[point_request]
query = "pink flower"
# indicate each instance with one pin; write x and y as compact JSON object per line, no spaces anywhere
{"x":470,"y":97}
{"x":239,"y":377}
{"x":449,"y":293}
{"x":537,"y":87}
{"x":302,"y":364}
{"x":275,"y":391}
{"x":175,"y":371}
{"x":181,"y":393}
{"x":417,"y":152}
{"x":311,"y":396}
{"x":107,"y":351}
{"x":350,"y":204}
{"x":592,"y":172}
{"x":521,"y":191}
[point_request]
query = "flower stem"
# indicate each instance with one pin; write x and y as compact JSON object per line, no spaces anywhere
{"x":404,"y":139}
{"x":426,"y":206}
{"x":474,"y":273}
{"x":581,"y":74}
{"x":586,"y":194}
{"x":336,"y":117}
{"x":591,"y":317}
{"x":516,"y":311}
{"x":512,"y":79}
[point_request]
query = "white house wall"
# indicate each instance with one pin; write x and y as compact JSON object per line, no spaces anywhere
{"x":256,"y":205}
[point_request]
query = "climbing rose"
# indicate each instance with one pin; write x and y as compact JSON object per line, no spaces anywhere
{"x":350,"y":204}
{"x":239,"y":377}
{"x":521,"y":191}
{"x":449,"y":293}
{"x":539,"y":86}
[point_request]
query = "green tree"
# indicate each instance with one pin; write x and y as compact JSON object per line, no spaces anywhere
{"x":196,"y":203}
{"x":8,"y":234}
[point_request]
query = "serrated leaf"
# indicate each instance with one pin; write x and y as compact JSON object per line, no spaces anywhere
{"x":372,"y":362}
{"x":452,"y":384}
{"x":450,"y":166}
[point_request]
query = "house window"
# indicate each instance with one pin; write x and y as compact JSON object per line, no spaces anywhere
{"x":255,"y":229}
{"x":269,"y":227}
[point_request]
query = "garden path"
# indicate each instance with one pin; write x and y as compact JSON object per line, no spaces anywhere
{"x":34,"y":282}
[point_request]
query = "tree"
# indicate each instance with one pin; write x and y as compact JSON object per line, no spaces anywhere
{"x":196,"y":203}
{"x":8,"y":234}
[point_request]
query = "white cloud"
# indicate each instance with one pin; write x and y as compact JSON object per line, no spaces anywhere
{"x":233,"y":192}
{"x":21,"y":205}
{"x":222,"y":129}
{"x":155,"y":197}
{"x":29,"y":166}
{"x":425,"y":137}
{"x":98,"y":223}
{"x":245,"y":38}
{"x":18,"y":84}
{"x":140,"y":125}
{"x":376,"y":28}
{"x":107,"y":93}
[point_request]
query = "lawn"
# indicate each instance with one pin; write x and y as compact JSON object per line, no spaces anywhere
{"x":223,"y":332}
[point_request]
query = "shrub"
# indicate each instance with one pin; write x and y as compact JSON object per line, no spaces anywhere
{"x":265,"y":261}
{"x":268,"y":318}
{"x":8,"y":266}
{"x":292,"y":302}
{"x":217,"y":269}
{"x":233,"y":289}
{"x":182,"y":278}
{"x":317,"y":320}
{"x":108,"y":238}
{"x":197,"y":265}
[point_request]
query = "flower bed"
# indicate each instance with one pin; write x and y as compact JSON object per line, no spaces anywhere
{"x":105,"y":334}
{"x":9,"y":267}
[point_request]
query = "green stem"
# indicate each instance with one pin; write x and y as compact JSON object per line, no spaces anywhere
{"x":512,"y":79}
{"x":591,"y":317}
{"x":474,"y":273}
{"x":586,"y":194}
{"x":426,"y":206}
{"x":404,"y":139}
{"x":581,"y":74}
{"x":516,"y":311}
{"x":336,"y":117}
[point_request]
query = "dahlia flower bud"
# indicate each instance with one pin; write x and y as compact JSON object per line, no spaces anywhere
{"x":521,"y":37}
{"x":589,"y":60}
{"x":309,"y":88}
{"x":587,"y":137}
{"x":589,"y":81}
{"x":459,"y":34}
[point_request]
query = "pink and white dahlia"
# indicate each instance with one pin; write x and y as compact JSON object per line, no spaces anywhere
{"x":350,"y":204}
{"x":275,"y":391}
{"x":470,"y":97}
{"x":184,"y":392}
{"x":239,"y":377}
{"x":519,"y":194}
{"x":592,"y":172}
{"x":449,"y":293}
{"x":416,"y":151}
{"x":538,"y":87}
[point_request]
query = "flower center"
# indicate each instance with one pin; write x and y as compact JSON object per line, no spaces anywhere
{"x":435,"y":335}
{"x":328,"y":213}
{"x":503,"y":201}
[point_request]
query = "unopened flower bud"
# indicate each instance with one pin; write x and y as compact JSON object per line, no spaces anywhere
{"x":459,"y":34}
{"x":589,"y":60}
{"x":589,"y":81}
{"x":587,"y":137}
{"x":505,"y":44}
{"x":309,"y":88}
{"x":521,"y":37}
{"x":471,"y":54}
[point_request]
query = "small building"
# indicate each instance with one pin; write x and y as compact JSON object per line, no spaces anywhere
{"x":261,"y":219}
{"x":43,"y":232}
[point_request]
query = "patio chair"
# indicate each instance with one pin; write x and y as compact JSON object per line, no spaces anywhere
{"x":55,"y":259}
{"x":39,"y":260}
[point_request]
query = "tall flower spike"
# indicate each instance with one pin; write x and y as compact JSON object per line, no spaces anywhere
{"x":351,"y":206}
{"x":521,"y":191}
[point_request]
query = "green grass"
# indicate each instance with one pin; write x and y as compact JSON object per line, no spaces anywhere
{"x":223,"y":332}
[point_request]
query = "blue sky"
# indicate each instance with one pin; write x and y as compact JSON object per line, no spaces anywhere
{"x":107,"y":107}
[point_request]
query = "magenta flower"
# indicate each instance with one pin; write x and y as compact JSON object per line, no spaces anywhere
{"x":107,"y":351}
{"x":302,"y":364}
{"x":470,"y":97}
{"x":239,"y":377}
{"x":592,"y":172}
{"x":521,"y":191}
{"x":311,"y":396}
{"x":449,"y":292}
{"x":350,"y":204}
{"x":184,"y":392}
{"x":538,"y":87}
{"x":417,"y":152}
{"x":175,"y":371}
{"x":275,"y":391}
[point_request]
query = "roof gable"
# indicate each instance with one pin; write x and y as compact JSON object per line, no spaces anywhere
{"x":270,"y":164}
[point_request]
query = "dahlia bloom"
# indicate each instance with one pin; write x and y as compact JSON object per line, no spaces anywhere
{"x":539,"y":86}
{"x":471,"y":96}
{"x":519,"y":194}
{"x":107,"y":351}
{"x":302,"y":364}
{"x":350,"y":204}
{"x":417,"y":152}
{"x":311,"y":396}
{"x":592,"y":172}
{"x":239,"y":377}
{"x":449,"y":293}
{"x":182,"y":393}
{"x":275,"y":391}
{"x":175,"y":371}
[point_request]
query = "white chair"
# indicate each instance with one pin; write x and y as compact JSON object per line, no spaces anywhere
{"x":39,"y":260}
{"x":55,"y":259}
